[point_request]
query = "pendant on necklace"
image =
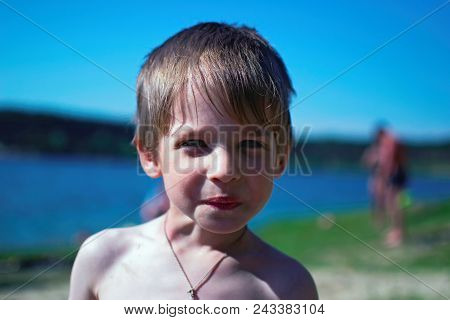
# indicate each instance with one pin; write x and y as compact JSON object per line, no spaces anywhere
{"x":192,"y":293}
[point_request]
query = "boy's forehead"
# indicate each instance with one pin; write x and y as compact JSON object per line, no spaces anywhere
{"x":194,"y":105}
{"x":197,"y":110}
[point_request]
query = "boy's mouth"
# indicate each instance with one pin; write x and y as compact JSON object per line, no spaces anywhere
{"x":223,"y":203}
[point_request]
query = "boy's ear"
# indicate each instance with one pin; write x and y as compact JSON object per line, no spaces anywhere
{"x":281,"y":162}
{"x":149,"y":162}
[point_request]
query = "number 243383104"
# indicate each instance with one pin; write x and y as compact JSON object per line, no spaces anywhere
{"x":287,"y":308}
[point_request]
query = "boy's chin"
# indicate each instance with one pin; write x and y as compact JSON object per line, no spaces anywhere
{"x":220,"y":225}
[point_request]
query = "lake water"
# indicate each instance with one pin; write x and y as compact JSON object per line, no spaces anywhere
{"x":48,"y":201}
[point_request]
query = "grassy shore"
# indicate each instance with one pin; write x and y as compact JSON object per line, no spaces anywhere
{"x":346,"y":257}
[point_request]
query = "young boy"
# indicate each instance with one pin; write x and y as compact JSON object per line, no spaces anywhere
{"x":212,"y":120}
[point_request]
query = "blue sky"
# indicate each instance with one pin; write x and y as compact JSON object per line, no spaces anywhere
{"x":406,"y":83}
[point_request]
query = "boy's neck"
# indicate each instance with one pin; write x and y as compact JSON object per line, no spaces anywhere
{"x":185,"y":234}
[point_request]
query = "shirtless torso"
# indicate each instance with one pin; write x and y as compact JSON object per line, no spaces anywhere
{"x":137,"y":263}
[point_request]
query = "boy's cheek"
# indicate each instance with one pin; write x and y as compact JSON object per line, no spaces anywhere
{"x":182,"y":185}
{"x":266,"y":165}
{"x":260,"y":192}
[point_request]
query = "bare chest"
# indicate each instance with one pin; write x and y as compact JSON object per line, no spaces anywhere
{"x":157,"y":276}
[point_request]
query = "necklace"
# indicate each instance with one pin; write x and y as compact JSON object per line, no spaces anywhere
{"x":194,"y":289}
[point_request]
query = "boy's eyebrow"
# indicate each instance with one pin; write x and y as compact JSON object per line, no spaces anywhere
{"x":189,"y":130}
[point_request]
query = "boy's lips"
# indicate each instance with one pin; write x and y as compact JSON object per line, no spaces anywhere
{"x":222,"y":202}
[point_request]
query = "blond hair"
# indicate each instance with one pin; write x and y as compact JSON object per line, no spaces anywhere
{"x":236,"y":68}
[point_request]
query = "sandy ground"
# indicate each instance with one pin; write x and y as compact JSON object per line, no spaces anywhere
{"x":348,"y":284}
{"x":339,"y":284}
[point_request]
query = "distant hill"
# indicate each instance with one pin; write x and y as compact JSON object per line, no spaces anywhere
{"x":347,"y":154}
{"x":55,"y":134}
{"x":27,"y":132}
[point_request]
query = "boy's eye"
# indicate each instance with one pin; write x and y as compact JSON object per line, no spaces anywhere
{"x":193,"y":144}
{"x":251,"y":144}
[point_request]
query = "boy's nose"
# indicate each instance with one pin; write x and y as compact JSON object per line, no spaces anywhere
{"x":222,"y":166}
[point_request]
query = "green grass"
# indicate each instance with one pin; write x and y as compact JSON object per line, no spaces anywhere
{"x":319,"y":244}
{"x":313,"y":241}
{"x":18,"y":267}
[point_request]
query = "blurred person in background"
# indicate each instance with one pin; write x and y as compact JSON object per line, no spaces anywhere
{"x":386,"y":159}
{"x":375,"y":184}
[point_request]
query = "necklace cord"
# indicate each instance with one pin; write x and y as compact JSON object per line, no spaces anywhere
{"x":193,"y":290}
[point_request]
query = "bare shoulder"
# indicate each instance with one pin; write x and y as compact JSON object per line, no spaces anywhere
{"x":97,"y":255}
{"x":292,"y":280}
{"x":302,"y":285}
